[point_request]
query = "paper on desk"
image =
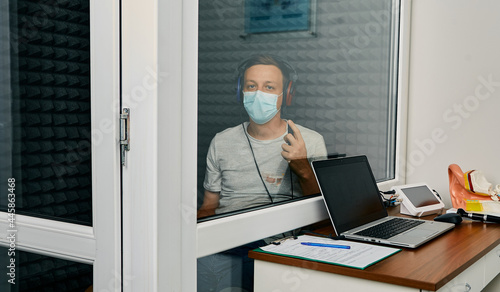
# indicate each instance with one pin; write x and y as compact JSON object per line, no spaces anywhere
{"x":360,"y":255}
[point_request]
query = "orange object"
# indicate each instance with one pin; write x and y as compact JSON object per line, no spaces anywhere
{"x":459,"y":193}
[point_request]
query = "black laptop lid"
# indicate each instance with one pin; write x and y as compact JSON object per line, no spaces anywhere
{"x":350,"y":191}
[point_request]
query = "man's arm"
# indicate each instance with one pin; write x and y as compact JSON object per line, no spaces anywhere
{"x":210,"y":203}
{"x":304,"y":172}
{"x":295,"y":152}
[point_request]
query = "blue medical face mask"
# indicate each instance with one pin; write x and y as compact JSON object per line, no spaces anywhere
{"x":260,"y":106}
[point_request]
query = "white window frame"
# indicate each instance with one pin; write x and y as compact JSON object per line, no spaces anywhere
{"x":100,"y":244}
{"x":161,"y":237}
{"x":140,"y":81}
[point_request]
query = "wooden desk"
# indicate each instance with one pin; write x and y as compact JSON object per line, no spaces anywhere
{"x":466,"y":256}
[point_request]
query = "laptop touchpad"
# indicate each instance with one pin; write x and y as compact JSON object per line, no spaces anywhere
{"x":419,"y":233}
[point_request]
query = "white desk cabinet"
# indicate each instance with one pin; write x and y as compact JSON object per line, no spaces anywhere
{"x":477,"y":276}
{"x":466,"y":258}
{"x":275,"y":277}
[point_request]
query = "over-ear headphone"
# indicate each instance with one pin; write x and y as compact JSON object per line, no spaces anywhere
{"x":286,"y":69}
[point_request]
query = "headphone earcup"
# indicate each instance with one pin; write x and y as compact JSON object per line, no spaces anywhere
{"x":289,"y":93}
{"x":238,"y":91}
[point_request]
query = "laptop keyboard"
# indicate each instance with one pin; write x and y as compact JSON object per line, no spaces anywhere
{"x":389,"y":228}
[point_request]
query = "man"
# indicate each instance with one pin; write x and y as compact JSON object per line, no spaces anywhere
{"x":252,"y":164}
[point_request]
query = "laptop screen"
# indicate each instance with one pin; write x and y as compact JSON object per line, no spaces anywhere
{"x":350,"y":191}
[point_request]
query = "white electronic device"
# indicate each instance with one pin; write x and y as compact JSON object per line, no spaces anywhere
{"x":418,"y":200}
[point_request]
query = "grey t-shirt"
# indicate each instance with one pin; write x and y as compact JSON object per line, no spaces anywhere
{"x":231,"y":168}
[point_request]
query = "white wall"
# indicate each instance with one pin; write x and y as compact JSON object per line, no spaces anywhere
{"x":453,"y":109}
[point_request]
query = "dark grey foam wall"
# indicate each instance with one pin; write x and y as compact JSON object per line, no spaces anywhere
{"x":50,"y":80}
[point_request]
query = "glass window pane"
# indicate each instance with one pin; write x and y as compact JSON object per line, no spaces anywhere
{"x":231,"y":270}
{"x":341,"y":66}
{"x":45,"y":114}
{"x":26,"y":271}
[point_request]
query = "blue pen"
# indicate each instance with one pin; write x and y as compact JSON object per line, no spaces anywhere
{"x":326,"y":245}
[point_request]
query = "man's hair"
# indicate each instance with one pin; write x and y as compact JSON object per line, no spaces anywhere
{"x":264,"y":59}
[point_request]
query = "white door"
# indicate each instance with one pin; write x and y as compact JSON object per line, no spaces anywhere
{"x":59,"y":146}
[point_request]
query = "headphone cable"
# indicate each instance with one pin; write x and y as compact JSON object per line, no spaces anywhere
{"x":256,"y":165}
{"x":258,"y":169}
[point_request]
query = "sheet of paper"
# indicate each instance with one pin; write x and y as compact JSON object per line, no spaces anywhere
{"x":360,"y":255}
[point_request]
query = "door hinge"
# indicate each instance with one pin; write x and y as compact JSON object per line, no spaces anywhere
{"x":124,"y":134}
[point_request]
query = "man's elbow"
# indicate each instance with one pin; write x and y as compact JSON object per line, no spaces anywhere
{"x":205,"y":212}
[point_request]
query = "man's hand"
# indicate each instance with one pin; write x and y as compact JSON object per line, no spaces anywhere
{"x":295,"y":152}
{"x":295,"y":147}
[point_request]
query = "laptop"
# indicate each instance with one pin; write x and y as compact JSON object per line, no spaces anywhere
{"x":356,"y":209}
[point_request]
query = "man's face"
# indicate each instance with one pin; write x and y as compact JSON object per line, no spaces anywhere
{"x":266,"y":78}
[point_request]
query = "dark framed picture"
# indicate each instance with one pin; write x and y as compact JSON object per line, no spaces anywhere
{"x":265,"y":16}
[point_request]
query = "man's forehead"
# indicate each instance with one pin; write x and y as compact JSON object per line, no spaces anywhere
{"x":261,"y":70}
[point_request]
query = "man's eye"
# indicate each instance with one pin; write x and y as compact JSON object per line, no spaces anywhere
{"x":251,"y":86}
{"x":268,"y":87}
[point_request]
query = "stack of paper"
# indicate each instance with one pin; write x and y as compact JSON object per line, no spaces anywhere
{"x":358,"y":255}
